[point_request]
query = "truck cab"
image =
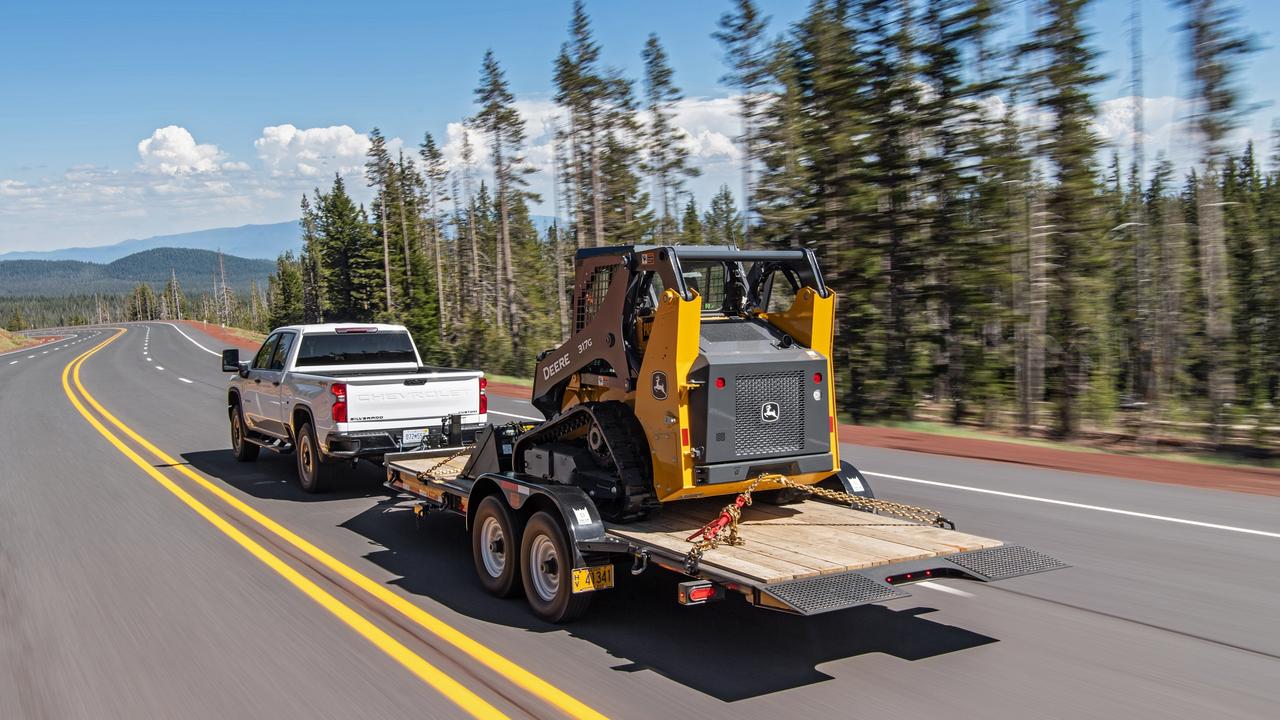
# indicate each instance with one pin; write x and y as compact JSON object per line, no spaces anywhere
{"x":338,"y":391}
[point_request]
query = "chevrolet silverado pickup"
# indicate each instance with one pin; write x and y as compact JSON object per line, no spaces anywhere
{"x":336,"y":392}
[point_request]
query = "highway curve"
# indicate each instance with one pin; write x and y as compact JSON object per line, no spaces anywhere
{"x":144,"y":573}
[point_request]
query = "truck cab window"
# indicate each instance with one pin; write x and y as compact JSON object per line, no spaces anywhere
{"x":263,"y":359}
{"x":282,"y":351}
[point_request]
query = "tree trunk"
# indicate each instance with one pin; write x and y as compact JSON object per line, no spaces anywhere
{"x":386,"y":249}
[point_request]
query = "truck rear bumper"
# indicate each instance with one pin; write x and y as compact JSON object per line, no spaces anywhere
{"x":374,"y":443}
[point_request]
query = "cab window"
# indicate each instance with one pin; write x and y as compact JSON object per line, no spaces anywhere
{"x":263,"y":359}
{"x":281,"y":352}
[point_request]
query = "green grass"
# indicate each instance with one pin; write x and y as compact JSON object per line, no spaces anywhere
{"x":9,"y":341}
{"x":509,"y":380}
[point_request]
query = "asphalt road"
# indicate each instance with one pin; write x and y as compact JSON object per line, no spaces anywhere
{"x":118,"y":600}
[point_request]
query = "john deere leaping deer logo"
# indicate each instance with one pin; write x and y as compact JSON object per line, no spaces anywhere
{"x":659,"y":386}
{"x":769,"y":412}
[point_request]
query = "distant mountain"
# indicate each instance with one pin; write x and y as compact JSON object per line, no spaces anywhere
{"x":195,"y":270}
{"x":247,"y":241}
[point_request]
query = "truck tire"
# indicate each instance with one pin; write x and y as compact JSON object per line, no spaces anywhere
{"x":315,"y":473}
{"x":244,"y":450}
{"x":546,"y":566}
{"x":495,"y":543}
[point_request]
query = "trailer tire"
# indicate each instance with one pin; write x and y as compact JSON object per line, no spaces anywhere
{"x":546,"y":567}
{"x":315,"y":473}
{"x":498,"y":568}
{"x":244,"y":450}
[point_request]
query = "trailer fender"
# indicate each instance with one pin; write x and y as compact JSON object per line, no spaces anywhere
{"x":578,"y":513}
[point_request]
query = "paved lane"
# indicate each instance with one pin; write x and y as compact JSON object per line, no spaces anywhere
{"x":1155,"y":619}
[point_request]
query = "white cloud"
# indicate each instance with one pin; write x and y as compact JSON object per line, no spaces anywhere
{"x":312,"y":152}
{"x":172,"y":150}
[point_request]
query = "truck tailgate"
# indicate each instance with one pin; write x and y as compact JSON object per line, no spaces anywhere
{"x":382,"y":399}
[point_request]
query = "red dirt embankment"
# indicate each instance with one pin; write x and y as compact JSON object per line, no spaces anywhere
{"x":1258,"y":481}
{"x":222,"y":335}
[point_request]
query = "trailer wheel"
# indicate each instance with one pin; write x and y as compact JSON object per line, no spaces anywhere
{"x":495,"y":541}
{"x":546,"y":565}
{"x":315,"y":475}
{"x":244,"y":450}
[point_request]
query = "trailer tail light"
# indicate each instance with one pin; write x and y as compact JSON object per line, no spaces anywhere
{"x":484,"y":396}
{"x":909,"y":577}
{"x":698,"y":592}
{"x":339,"y":409}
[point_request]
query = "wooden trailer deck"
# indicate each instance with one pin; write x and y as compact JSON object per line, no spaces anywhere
{"x":806,"y":539}
{"x":781,"y":542}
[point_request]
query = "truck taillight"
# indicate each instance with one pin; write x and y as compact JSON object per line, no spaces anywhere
{"x":484,"y":396}
{"x":339,"y":410}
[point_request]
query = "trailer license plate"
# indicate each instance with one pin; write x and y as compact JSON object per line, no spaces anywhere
{"x":588,"y":579}
{"x":412,"y":437}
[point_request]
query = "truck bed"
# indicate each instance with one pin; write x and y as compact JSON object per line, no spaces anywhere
{"x":805,"y":539}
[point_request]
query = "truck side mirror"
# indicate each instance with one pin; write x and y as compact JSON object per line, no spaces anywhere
{"x":231,"y":360}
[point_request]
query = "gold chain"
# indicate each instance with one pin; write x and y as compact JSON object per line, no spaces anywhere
{"x":723,"y":530}
{"x":428,"y":474}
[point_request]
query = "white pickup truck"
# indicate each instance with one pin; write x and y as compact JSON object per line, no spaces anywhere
{"x":338,"y":392}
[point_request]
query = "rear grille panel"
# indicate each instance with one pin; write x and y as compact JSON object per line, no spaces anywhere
{"x":752,"y":435}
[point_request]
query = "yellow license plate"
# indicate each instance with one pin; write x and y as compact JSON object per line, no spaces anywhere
{"x":588,"y":579}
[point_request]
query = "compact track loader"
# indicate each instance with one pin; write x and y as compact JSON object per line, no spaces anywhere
{"x":691,"y":374}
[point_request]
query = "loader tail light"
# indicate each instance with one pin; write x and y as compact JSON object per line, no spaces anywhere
{"x":339,"y":409}
{"x":484,"y":396}
{"x":684,"y":437}
{"x":817,"y":377}
{"x":720,"y":383}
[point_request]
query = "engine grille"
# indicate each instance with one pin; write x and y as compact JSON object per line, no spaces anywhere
{"x":752,"y":435}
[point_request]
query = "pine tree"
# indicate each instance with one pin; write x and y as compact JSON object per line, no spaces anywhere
{"x":742,"y":35}
{"x":1064,"y":83}
{"x":1215,"y":49}
{"x":723,"y":224}
{"x":380,"y":174}
{"x":504,"y":128}
{"x":667,"y":156}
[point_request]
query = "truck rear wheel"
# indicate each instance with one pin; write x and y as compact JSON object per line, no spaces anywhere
{"x":244,"y":450}
{"x":546,"y":566}
{"x":495,"y":541}
{"x":315,"y":474}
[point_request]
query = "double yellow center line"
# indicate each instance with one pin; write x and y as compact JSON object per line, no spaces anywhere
{"x":459,"y":694}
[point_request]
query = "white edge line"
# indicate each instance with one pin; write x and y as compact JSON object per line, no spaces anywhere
{"x":193,"y":342}
{"x":507,"y":414}
{"x":943,"y":588}
{"x":1083,"y":506}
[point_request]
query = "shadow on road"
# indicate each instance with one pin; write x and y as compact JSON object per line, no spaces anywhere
{"x":728,"y":650}
{"x":274,"y":477}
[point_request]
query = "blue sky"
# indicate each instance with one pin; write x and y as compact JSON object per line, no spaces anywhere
{"x":85,"y":83}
